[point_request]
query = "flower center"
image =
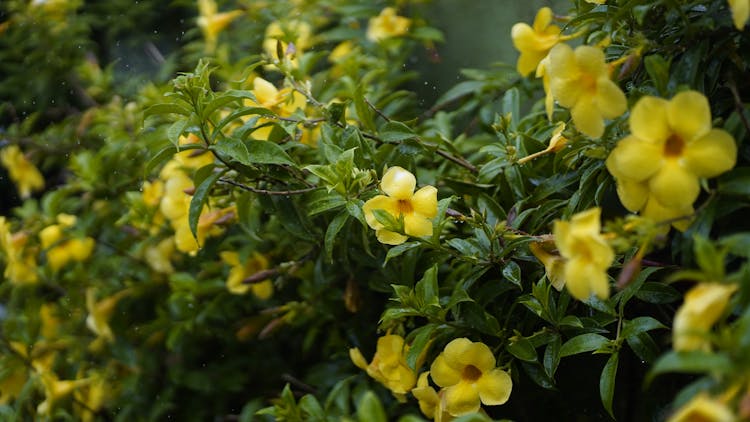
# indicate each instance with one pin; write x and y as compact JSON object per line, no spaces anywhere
{"x":471,"y":373}
{"x":674,"y":146}
{"x":404,"y":206}
{"x":588,"y":83}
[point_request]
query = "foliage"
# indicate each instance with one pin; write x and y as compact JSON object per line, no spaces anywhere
{"x":229,"y":231}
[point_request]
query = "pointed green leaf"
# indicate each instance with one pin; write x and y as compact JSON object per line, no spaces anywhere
{"x":333,"y":229}
{"x":199,"y":199}
{"x":583,"y":343}
{"x":607,"y":383}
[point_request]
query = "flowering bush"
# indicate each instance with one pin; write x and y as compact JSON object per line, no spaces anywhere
{"x":227,"y":235}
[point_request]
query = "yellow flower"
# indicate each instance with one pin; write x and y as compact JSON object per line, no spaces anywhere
{"x":100,"y":313}
{"x":21,"y":171}
{"x":152,"y":192}
{"x":431,"y":403}
{"x":703,"y":306}
{"x":50,"y":323}
{"x":579,"y":80}
{"x":388,"y":366}
{"x":20,"y":262}
{"x":298,"y":32}
{"x":93,"y":395}
{"x":596,"y":1}
{"x":159,"y":256}
{"x":740,"y":12}
{"x":282,"y":102}
{"x":240,"y":271}
{"x":554,"y":265}
{"x":671,"y":146}
{"x":587,"y":255}
{"x":12,"y":381}
{"x":212,"y":23}
{"x":387,"y":25}
{"x":534,"y":42}
{"x":702,"y":408}
{"x":56,"y":390}
{"x":417,"y":208}
{"x":466,"y":370}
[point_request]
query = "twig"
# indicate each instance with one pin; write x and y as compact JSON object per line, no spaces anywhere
{"x":266,"y":191}
{"x":738,"y":103}
{"x":376,"y":110}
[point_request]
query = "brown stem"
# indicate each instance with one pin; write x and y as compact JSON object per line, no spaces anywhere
{"x":266,"y":191}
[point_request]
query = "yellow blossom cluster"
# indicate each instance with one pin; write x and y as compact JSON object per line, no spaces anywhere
{"x":282,"y":102}
{"x":20,"y":260}
{"x":212,"y":23}
{"x":465,"y":372}
{"x":61,"y":249}
{"x":704,"y":304}
{"x":262,"y":289}
{"x":671,"y":146}
{"x":292,"y":38}
{"x":387,"y":25}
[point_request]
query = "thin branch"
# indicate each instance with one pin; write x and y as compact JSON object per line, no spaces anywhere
{"x":266,"y":191}
{"x":376,"y":110}
{"x":738,"y":104}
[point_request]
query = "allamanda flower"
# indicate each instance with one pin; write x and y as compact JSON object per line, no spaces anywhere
{"x":242,"y":270}
{"x":466,"y":371}
{"x":417,"y":208}
{"x":671,"y":146}
{"x":740,"y":12}
{"x":388,"y":366}
{"x":20,"y":261}
{"x":703,"y":306}
{"x":61,"y":250}
{"x":587,"y":255}
{"x":21,"y":171}
{"x":579,"y":80}
{"x":387,"y":25}
{"x":295,"y":37}
{"x":705,"y":409}
{"x":212,"y":23}
{"x":534,"y":42}
{"x":431,"y":402}
{"x":282,"y":102}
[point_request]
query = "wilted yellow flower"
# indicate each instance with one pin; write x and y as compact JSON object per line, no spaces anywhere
{"x":702,"y":408}
{"x":21,"y":171}
{"x":703,"y":306}
{"x":417,"y":208}
{"x":240,"y":271}
{"x":587,"y":255}
{"x":554,"y":264}
{"x":93,"y":395}
{"x":212,"y":23}
{"x":387,"y":25}
{"x":534,"y":42}
{"x":388,"y":366}
{"x":20,"y":262}
{"x":740,"y":12}
{"x":466,"y":371}
{"x":671,"y":146}
{"x":100,"y":313}
{"x":579,"y":80}
{"x":556,"y":143}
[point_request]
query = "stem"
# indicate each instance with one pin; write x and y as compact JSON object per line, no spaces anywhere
{"x":266,"y":191}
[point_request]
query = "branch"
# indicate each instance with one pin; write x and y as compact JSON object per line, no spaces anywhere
{"x":266,"y":191}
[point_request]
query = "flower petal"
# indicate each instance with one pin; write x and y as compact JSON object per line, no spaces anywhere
{"x":417,"y":226}
{"x":444,"y":374}
{"x":566,"y":91}
{"x":398,"y":183}
{"x":712,"y":154}
{"x":529,"y":60}
{"x":562,"y":63}
{"x":388,"y":237}
{"x":610,"y":98}
{"x":542,"y":19}
{"x":461,"y":399}
{"x":658,"y":212}
{"x":494,"y":387}
{"x":648,"y":120}
{"x":587,"y":117}
{"x":590,"y":60}
{"x":674,"y":186}
{"x":689,"y":115}
{"x":633,"y":195}
{"x":357,"y":359}
{"x":265,"y":92}
{"x":380,"y":202}
{"x":582,"y":279}
{"x":635,"y":159}
{"x":424,"y":202}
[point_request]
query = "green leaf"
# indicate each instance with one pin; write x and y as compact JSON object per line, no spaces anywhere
{"x":252,"y":152}
{"x":333,"y":229}
{"x":512,"y":104}
{"x":199,"y":199}
{"x":583,"y":343}
{"x":693,"y":362}
{"x":399,"y":250}
{"x":175,"y":130}
{"x":417,"y":348}
{"x":736,"y":182}
{"x":708,"y":257}
{"x":552,"y":356}
{"x":658,"y":69}
{"x":426,"y":289}
{"x":644,"y":346}
{"x":394,"y":132}
{"x":363,"y":110}
{"x":232,"y":149}
{"x":512,"y":273}
{"x":369,"y":408}
{"x":354,"y":207}
{"x":640,"y":325}
{"x":165,"y":108}
{"x":657,"y":292}
{"x":312,"y":411}
{"x":607,"y":383}
{"x":522,"y":348}
{"x":160,"y":157}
